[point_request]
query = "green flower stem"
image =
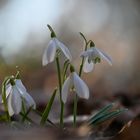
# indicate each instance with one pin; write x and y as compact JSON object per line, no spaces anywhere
{"x":80,"y":74}
{"x":82,"y":62}
{"x":75,"y":110}
{"x":23,"y":109}
{"x":60,"y":89}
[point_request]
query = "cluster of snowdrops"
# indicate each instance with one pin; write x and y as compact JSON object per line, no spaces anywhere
{"x":17,"y":101}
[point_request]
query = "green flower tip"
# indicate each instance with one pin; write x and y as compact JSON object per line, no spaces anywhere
{"x":92,"y":44}
{"x":17,"y":75}
{"x":72,"y":69}
{"x":97,"y":60}
{"x":83,"y":36}
{"x":12,"y":82}
{"x":52,"y":31}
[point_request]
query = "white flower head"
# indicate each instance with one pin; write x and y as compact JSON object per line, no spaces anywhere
{"x":52,"y":48}
{"x":80,"y":87}
{"x":15,"y":93}
{"x":93,"y":56}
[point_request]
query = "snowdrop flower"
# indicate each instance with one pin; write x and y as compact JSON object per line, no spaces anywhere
{"x":74,"y":81}
{"x":15,"y":93}
{"x":52,"y":48}
{"x":93,"y":56}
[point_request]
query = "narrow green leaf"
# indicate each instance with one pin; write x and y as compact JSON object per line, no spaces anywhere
{"x":40,"y":114}
{"x":108,"y":116}
{"x":23,"y":106}
{"x":47,"y":109}
{"x":25,"y":114}
{"x":100,"y":113}
{"x":27,"y":118}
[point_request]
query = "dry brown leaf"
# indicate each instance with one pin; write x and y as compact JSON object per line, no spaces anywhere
{"x":131,"y":131}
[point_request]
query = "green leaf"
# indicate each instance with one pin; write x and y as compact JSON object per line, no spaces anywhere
{"x":25,"y":113}
{"x":47,"y":109}
{"x":101,"y":112}
{"x":27,"y":118}
{"x":105,"y":114}
{"x":40,"y":114}
{"x":109,"y":116}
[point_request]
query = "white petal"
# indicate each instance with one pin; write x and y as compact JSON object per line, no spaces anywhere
{"x":65,"y":89}
{"x":88,"y":67}
{"x":8,"y":89}
{"x":22,"y":90}
{"x":49,"y":53}
{"x":20,"y":86}
{"x":9,"y":104}
{"x":105,"y":56}
{"x":64,"y":49}
{"x":80,"y":86}
{"x":86,"y":53}
{"x":16,"y":101}
{"x":29,"y":100}
{"x":44,"y":58}
{"x":95,"y":53}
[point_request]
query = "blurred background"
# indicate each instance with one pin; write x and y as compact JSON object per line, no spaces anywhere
{"x":114,"y":26}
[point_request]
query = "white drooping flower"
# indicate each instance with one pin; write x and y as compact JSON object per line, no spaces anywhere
{"x":74,"y":81}
{"x":51,"y":50}
{"x":15,"y":94}
{"x":93,"y":56}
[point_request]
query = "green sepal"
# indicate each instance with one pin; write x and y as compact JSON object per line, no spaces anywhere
{"x":72,"y":69}
{"x":52,"y":31}
{"x":92,"y":44}
{"x":97,"y":60}
{"x":17,"y":75}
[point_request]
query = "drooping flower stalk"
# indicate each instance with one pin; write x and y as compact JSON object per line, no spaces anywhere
{"x":13,"y":93}
{"x":51,"y":53}
{"x":85,"y":48}
{"x":80,"y":73}
{"x":92,"y":56}
{"x":75,"y":83}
